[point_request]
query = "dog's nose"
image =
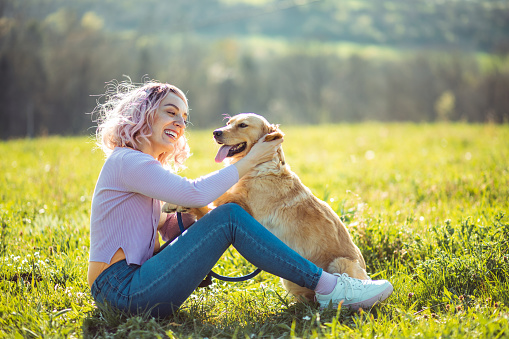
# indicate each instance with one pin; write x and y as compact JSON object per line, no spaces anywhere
{"x":217,"y":133}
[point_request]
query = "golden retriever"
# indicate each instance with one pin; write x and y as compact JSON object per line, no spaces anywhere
{"x":276,"y":197}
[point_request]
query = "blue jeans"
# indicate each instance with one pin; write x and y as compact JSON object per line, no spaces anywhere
{"x":167,"y":279}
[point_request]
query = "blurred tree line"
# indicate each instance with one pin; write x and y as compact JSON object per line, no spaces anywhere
{"x":55,"y":55}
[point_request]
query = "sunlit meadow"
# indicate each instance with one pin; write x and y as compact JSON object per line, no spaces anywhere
{"x":427,"y":205}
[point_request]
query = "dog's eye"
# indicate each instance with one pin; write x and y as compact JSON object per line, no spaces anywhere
{"x":242,"y":125}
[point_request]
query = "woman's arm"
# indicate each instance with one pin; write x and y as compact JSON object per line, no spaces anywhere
{"x":141,"y":173}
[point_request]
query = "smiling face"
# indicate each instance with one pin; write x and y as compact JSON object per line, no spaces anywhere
{"x":168,"y":126}
{"x":240,"y":134}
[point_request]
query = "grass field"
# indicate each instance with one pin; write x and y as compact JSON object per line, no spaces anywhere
{"x":426,"y":204}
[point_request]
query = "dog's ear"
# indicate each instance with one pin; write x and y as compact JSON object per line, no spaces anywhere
{"x":274,"y":133}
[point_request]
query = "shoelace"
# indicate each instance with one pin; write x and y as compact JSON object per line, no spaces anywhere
{"x":351,"y":284}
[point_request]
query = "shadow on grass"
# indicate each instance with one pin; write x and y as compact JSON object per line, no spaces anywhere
{"x":107,"y":322}
{"x":194,"y":321}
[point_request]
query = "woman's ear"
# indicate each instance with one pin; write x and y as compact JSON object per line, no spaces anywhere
{"x":274,"y":133}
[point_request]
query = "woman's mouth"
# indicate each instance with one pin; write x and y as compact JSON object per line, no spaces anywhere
{"x":171,"y":134}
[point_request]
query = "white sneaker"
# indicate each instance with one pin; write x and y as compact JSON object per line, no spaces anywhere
{"x":355,"y":293}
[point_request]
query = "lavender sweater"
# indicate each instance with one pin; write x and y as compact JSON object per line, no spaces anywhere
{"x":126,"y":203}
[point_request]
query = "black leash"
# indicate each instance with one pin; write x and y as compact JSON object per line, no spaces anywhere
{"x":208,"y":280}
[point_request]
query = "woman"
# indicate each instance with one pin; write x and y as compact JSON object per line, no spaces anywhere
{"x":141,"y":130}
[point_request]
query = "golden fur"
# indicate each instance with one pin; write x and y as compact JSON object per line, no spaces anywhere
{"x":277,"y":198}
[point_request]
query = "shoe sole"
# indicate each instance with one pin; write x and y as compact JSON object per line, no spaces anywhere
{"x":368,"y":303}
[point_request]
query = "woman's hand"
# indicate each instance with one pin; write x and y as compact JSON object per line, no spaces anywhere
{"x":261,"y":152}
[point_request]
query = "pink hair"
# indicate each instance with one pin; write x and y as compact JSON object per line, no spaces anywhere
{"x":127,"y":116}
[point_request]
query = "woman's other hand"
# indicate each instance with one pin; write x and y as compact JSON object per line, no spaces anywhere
{"x":261,"y":152}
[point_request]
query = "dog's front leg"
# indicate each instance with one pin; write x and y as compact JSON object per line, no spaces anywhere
{"x":197,"y":212}
{"x":235,"y":198}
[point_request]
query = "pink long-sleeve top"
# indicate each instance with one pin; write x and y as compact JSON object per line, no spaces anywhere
{"x":126,"y":204}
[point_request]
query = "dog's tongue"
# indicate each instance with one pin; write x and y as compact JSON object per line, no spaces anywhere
{"x":222,"y":153}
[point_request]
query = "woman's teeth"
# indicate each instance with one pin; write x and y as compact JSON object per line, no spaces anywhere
{"x":171,"y":134}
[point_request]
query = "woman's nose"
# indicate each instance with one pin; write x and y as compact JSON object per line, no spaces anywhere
{"x":179,"y":120}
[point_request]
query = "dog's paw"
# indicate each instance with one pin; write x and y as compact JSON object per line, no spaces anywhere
{"x":171,"y":208}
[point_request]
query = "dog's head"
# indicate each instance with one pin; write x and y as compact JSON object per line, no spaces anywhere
{"x":241,"y":132}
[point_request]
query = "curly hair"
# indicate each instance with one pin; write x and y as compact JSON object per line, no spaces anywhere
{"x":127,"y":116}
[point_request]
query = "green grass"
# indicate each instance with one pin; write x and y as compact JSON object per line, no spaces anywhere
{"x":426,"y":204}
